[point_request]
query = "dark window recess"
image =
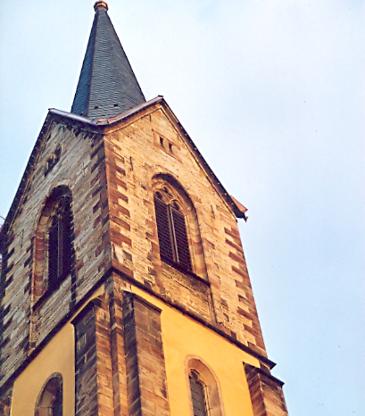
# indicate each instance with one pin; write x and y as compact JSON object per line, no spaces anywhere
{"x":198,"y":395}
{"x":164,"y":230}
{"x":50,"y":403}
{"x":59,"y":243}
{"x":172,"y":234}
{"x":56,"y":407}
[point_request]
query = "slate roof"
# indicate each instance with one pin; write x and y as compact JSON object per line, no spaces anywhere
{"x":107,"y":85}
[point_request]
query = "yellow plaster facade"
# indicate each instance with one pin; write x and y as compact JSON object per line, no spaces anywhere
{"x":183,"y":338}
{"x":57,"y":357}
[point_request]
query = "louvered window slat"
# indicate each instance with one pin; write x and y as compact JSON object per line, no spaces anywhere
{"x":66,"y":241}
{"x":172,"y":234}
{"x":53,"y":243}
{"x":164,"y":230}
{"x":181,"y":239}
{"x":60,"y":243}
{"x":61,"y":239}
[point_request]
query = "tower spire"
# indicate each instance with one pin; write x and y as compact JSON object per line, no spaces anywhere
{"x":107,"y":85}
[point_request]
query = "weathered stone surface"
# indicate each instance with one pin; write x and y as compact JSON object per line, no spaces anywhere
{"x":112,"y":178}
{"x":5,"y":402}
{"x":93,"y":367}
{"x":266,"y":393}
{"x":137,"y":151}
{"x":119,"y":363}
{"x":145,"y":362}
{"x":81,"y":168}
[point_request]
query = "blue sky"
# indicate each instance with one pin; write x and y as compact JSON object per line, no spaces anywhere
{"x":273,"y":94}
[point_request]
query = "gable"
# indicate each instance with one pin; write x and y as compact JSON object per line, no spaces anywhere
{"x":172,"y":137}
{"x":80,"y":124}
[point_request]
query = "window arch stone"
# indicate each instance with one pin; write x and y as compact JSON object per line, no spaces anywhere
{"x":50,"y":399}
{"x":199,"y":373}
{"x":171,"y":193}
{"x":53,"y":243}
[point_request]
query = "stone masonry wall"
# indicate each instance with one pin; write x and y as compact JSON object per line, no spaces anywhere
{"x":119,"y":364}
{"x":266,"y":393}
{"x":5,"y":402}
{"x":150,"y":144}
{"x":80,"y":167}
{"x":93,"y":368}
{"x":111,"y":179}
{"x":145,"y":362}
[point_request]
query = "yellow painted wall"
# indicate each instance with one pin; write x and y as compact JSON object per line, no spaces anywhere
{"x":182,"y":338}
{"x":57,"y":357}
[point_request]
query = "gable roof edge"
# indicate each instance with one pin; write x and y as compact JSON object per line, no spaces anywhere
{"x":52,"y":117}
{"x":97,"y":127}
{"x":238,"y":209}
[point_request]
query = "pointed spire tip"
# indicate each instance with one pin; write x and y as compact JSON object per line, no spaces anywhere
{"x":101,"y":5}
{"x":107,"y":84}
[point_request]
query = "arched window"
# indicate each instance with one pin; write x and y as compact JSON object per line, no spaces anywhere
{"x":53,"y":251}
{"x":50,"y":400}
{"x":172,"y":230}
{"x":59,"y":241}
{"x":204,"y":390}
{"x":198,"y":395}
{"x":178,"y":229}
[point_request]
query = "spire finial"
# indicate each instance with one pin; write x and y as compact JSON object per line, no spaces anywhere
{"x":101,"y":5}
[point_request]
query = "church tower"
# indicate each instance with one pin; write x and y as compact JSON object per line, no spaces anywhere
{"x":124,"y":287}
